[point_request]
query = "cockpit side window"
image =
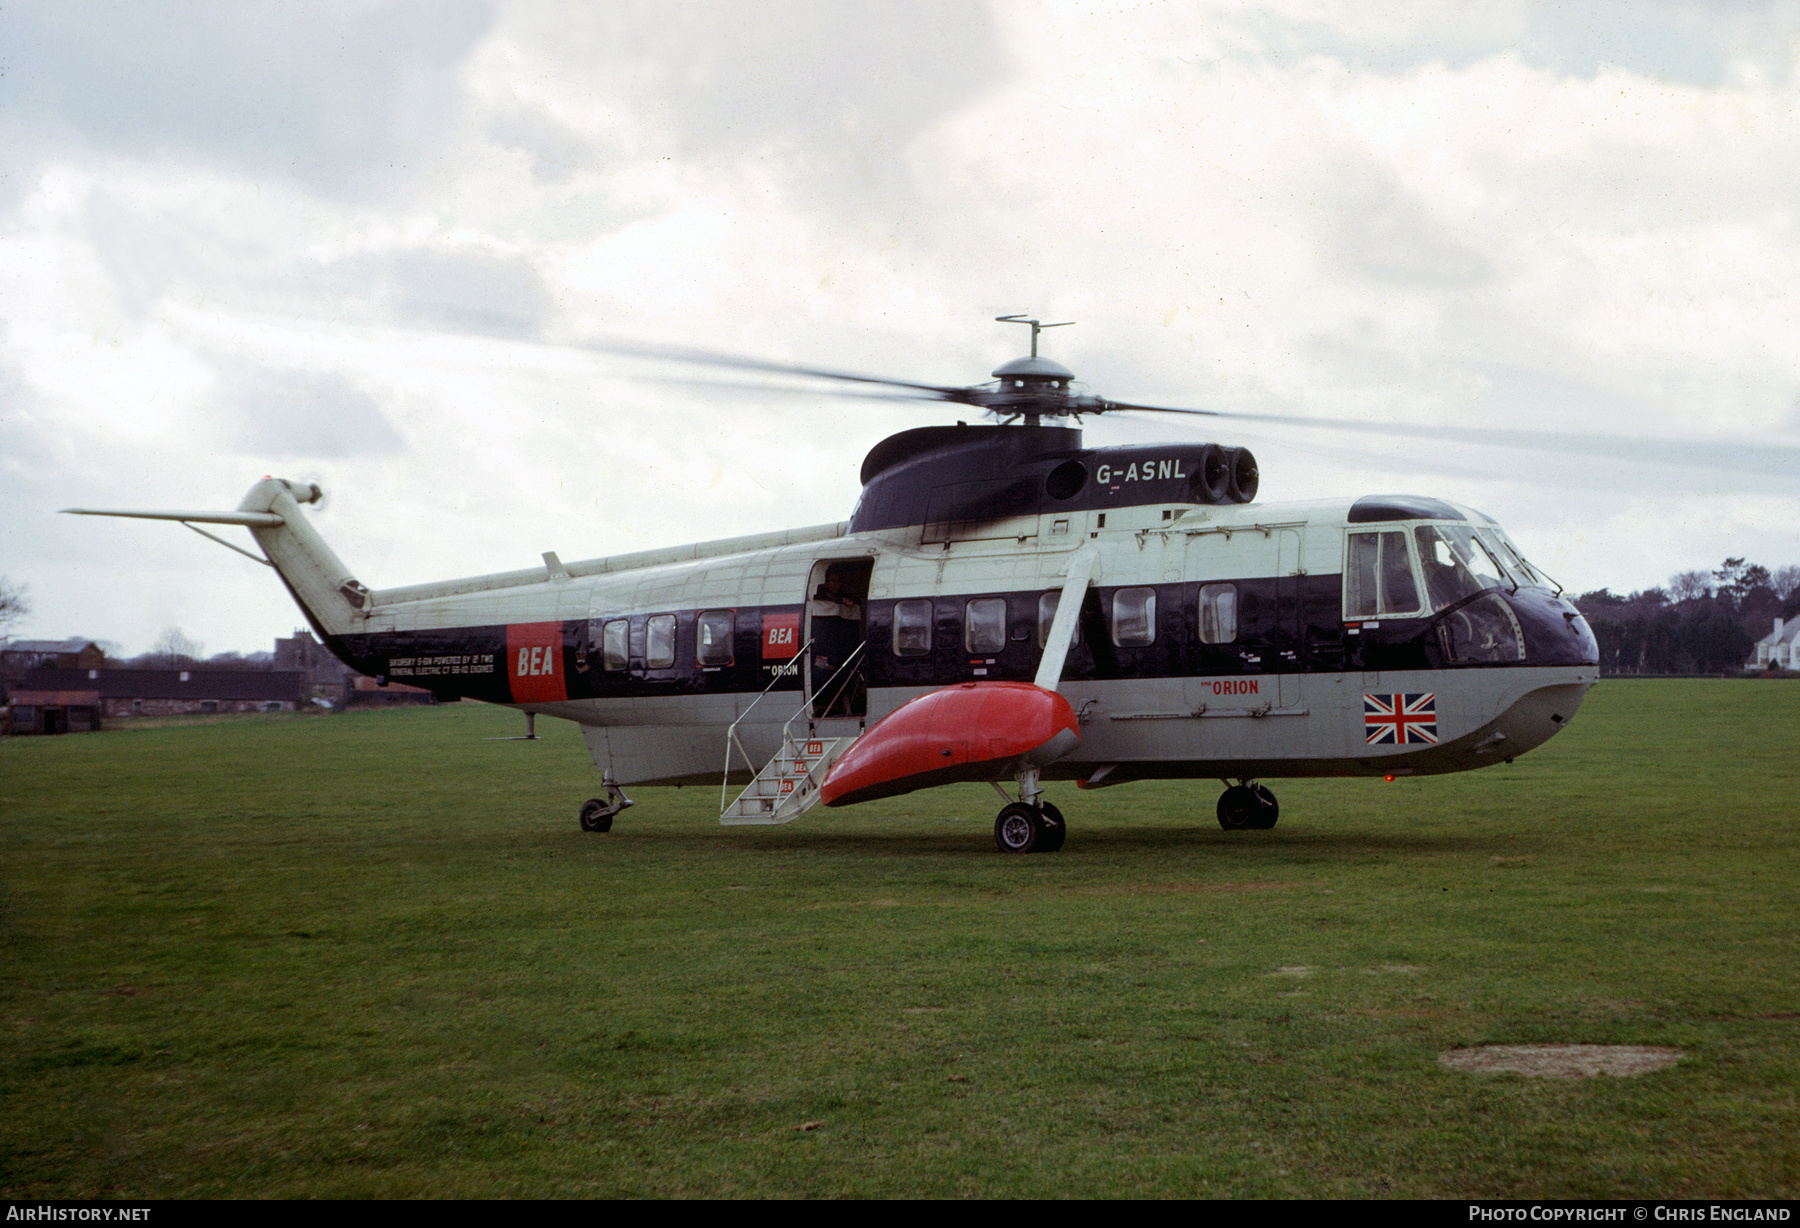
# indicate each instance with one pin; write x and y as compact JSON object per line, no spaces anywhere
{"x":1379,"y":578}
{"x":1457,"y":564}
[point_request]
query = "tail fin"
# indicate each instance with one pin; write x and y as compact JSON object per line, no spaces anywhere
{"x":329,"y":595}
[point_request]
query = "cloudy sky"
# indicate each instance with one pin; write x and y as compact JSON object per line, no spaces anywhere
{"x":371,"y":244}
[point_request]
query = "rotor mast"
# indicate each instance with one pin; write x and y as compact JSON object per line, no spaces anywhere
{"x":1036,"y":327}
{"x":1035,"y":386}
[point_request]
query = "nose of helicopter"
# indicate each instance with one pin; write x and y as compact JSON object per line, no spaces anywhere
{"x":1530,"y":721}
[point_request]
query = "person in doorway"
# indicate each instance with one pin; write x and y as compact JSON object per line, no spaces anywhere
{"x":837,"y":616}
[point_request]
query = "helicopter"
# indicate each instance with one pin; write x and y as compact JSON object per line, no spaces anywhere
{"x":1003,"y":605}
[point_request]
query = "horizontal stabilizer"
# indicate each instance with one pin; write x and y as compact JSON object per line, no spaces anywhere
{"x":257,"y":520}
{"x":333,"y":599}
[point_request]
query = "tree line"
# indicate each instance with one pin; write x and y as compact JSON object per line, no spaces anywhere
{"x":1700,"y":623}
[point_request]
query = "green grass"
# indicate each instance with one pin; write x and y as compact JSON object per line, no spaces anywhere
{"x":371,"y":955}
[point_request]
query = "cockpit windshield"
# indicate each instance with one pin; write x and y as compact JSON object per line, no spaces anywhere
{"x":1525,"y":572}
{"x":1461,"y":561}
{"x":1457,"y":564}
{"x":1446,"y":564}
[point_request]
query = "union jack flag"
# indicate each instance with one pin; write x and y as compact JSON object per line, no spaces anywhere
{"x":1399,"y":719}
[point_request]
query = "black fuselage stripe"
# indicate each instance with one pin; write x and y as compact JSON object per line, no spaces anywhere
{"x":1284,"y":625}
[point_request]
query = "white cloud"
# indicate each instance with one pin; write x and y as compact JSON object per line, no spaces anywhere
{"x":373,"y":229}
{"x":343,"y":98}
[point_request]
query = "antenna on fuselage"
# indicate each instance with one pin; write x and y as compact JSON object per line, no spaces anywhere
{"x":1036,"y":327}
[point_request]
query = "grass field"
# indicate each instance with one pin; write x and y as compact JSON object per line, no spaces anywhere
{"x":371,"y":956}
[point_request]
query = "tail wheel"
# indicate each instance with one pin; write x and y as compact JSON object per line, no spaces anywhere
{"x":596,"y":815}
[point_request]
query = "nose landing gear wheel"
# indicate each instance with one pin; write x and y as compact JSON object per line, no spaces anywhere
{"x":1029,"y":829}
{"x":1248,"y":808}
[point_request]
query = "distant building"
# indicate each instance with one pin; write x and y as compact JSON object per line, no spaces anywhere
{"x":326,"y":676}
{"x":52,"y":712}
{"x":18,"y":656}
{"x":368,"y":693}
{"x":1780,"y":649}
{"x":175,"y":692}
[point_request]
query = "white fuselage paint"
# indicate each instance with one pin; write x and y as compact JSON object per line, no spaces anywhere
{"x":1268,"y":724}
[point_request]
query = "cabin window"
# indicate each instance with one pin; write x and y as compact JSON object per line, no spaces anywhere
{"x":912,"y":628}
{"x":1047,"y":607}
{"x":712,"y":636}
{"x":615,"y":640}
{"x":1218,"y":613}
{"x":659,"y":642}
{"x":1379,"y":578}
{"x":984,"y":625}
{"x":1134,"y":617}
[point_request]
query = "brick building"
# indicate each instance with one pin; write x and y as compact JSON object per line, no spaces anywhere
{"x":174,"y":692}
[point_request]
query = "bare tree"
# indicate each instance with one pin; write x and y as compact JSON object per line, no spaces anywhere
{"x":1785,"y":581}
{"x":173,"y":649}
{"x":14,"y":603}
{"x":1690,"y":584}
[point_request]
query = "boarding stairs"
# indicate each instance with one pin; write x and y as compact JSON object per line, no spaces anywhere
{"x":788,"y":785}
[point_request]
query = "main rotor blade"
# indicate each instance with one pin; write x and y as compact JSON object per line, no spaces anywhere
{"x":1760,"y":457}
{"x":711,"y":358}
{"x":745,"y":387}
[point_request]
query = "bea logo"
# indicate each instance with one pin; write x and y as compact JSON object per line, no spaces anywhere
{"x":536,"y":661}
{"x":781,"y":636}
{"x":534,"y":651}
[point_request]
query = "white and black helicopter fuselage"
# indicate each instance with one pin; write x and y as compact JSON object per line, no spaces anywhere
{"x":1003,"y":605}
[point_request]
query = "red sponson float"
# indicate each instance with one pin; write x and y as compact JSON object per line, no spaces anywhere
{"x":974,"y":731}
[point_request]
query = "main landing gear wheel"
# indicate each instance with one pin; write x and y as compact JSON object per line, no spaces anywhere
{"x":1248,"y":808}
{"x":597,"y":813}
{"x":1029,"y":829}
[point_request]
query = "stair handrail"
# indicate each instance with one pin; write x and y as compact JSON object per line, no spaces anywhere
{"x":787,"y":729}
{"x":791,"y":666}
